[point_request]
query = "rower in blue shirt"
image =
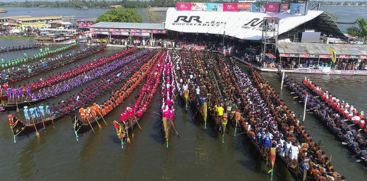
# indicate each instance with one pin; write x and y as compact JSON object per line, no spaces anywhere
{"x":42,"y":111}
{"x":26,"y":114}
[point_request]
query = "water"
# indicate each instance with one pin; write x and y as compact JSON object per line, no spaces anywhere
{"x":196,"y":155}
{"x":57,"y":156}
{"x":78,"y":13}
{"x":346,"y":14}
{"x":343,"y":14}
{"x":350,"y":88}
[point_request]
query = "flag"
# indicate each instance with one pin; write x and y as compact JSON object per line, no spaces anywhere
{"x":333,"y":55}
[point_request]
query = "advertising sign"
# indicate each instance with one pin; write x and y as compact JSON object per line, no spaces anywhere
{"x":243,"y":25}
{"x":284,"y":7}
{"x":215,"y":7}
{"x":297,"y":8}
{"x":230,"y":6}
{"x":183,"y":6}
{"x":272,"y":7}
{"x":244,"y":6}
{"x":198,"y":7}
{"x":254,"y":8}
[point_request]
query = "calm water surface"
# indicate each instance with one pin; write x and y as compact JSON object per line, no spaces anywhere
{"x":196,"y":155}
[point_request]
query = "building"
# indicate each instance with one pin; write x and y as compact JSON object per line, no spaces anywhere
{"x":121,"y":33}
{"x":36,"y":22}
{"x":85,"y":24}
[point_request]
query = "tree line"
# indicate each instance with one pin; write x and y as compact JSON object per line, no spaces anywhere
{"x":94,"y":3}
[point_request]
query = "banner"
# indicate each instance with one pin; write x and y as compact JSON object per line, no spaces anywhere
{"x":284,"y":7}
{"x":297,"y":8}
{"x":230,"y":7}
{"x":198,"y":7}
{"x":272,"y":7}
{"x":215,"y":7}
{"x":242,"y":25}
{"x":244,"y":6}
{"x":254,"y":8}
{"x":333,"y":55}
{"x":183,"y":6}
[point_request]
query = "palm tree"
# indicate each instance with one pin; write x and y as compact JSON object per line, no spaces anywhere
{"x":360,"y":30}
{"x":362,"y":25}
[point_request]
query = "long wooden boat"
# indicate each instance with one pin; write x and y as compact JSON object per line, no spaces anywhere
{"x":337,"y":126}
{"x":318,"y":158}
{"x":20,"y":47}
{"x":16,"y":106}
{"x":16,"y":63}
{"x":133,"y":114}
{"x":70,"y":105}
{"x":80,"y":69}
{"x":168,"y":94}
{"x":59,"y":63}
{"x":80,"y":77}
{"x":116,"y":98}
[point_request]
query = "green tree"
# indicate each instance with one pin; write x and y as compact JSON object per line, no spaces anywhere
{"x":121,"y":15}
{"x":360,"y":30}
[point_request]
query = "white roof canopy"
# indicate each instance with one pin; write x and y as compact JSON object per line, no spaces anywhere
{"x":242,"y":25}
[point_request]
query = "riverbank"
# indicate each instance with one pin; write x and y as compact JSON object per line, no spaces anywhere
{"x":16,"y":38}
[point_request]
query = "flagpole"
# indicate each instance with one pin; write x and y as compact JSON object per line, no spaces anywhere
{"x":281,"y":85}
{"x":304,"y":109}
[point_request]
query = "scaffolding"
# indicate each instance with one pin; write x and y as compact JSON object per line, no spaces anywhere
{"x":270,"y":33}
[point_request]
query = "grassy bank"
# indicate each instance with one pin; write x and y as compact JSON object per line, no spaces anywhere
{"x":16,"y":38}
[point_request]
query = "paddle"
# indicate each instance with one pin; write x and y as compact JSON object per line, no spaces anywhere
{"x":127,"y":135}
{"x":16,"y":103}
{"x":137,"y":123}
{"x":103,"y":118}
{"x":99,"y":125}
{"x":11,"y":128}
{"x":173,"y":127}
{"x":35,"y":128}
{"x":91,"y":126}
{"x":76,"y":131}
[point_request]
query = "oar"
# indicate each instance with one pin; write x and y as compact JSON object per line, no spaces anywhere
{"x":14,"y":137}
{"x":16,"y":103}
{"x":127,"y":134}
{"x":76,"y":131}
{"x":224,"y":130}
{"x":91,"y":126}
{"x":235,"y":128}
{"x":35,"y":128}
{"x":174,"y":128}
{"x":99,"y":125}
{"x":43,"y":121}
{"x":52,"y":122}
{"x":136,"y":121}
{"x":102,"y":118}
{"x":122,"y":143}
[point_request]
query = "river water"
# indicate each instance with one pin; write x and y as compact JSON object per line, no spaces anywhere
{"x":197,"y":154}
{"x":343,"y":14}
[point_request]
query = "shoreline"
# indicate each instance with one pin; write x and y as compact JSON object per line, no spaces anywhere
{"x":11,"y":37}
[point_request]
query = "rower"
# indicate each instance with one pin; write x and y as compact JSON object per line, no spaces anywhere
{"x":361,"y":115}
{"x":362,"y":124}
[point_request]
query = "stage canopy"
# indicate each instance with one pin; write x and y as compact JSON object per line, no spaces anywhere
{"x":241,"y":24}
{"x":318,"y":50}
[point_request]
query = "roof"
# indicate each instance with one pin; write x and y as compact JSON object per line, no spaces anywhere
{"x":243,"y":25}
{"x":326,"y":24}
{"x":117,"y":25}
{"x":37,"y":18}
{"x":321,"y":49}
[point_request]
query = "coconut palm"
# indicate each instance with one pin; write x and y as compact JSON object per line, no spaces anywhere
{"x":360,"y":30}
